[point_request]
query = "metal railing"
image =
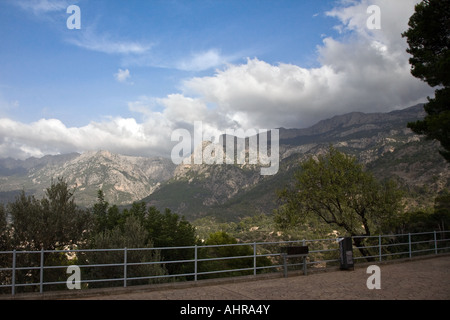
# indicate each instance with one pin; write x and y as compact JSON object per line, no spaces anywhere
{"x":34,"y":270}
{"x":404,"y":245}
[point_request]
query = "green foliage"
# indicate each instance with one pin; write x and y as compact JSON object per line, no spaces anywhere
{"x":220,"y":238}
{"x":106,"y":217}
{"x":442,"y":203}
{"x":262,"y":228}
{"x":180,"y":191}
{"x":168,"y":229}
{"x":162,"y":230}
{"x":428,"y":38}
{"x":53,"y":222}
{"x":337,"y":190}
{"x":429,"y":42}
{"x":4,"y":233}
{"x":436,"y":218}
{"x":129,"y":235}
{"x":417,"y":221}
{"x":5,"y":259}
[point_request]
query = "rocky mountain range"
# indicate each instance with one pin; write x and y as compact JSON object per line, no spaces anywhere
{"x":381,"y":141}
{"x":123,"y":179}
{"x":229,"y":191}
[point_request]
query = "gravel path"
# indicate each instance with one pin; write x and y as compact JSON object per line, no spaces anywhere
{"x":421,"y":279}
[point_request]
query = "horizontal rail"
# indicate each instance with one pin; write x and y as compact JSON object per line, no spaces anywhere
{"x":321,"y":253}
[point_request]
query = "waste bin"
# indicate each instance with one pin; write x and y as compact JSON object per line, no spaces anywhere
{"x":346,"y":253}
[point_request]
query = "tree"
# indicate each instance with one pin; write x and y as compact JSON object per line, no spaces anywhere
{"x":5,"y":259}
{"x":129,"y":235}
{"x":53,"y":222}
{"x":162,"y":229}
{"x":4,"y":230}
{"x":168,"y":229}
{"x":50,"y":223}
{"x":105,"y":217}
{"x":66,"y":223}
{"x":221,"y":238}
{"x":337,"y":190}
{"x":428,"y":38}
{"x":441,"y":215}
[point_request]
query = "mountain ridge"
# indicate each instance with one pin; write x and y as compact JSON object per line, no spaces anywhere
{"x":371,"y":138}
{"x":381,"y":141}
{"x":353,"y":118}
{"x":123,"y":179}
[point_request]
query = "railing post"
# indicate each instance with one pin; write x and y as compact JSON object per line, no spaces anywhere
{"x":195,"y":263}
{"x":304,"y":259}
{"x":125,"y":267}
{"x":379,"y":247}
{"x":254,"y":258}
{"x":435,"y":243}
{"x":13,"y":277}
{"x":409,"y":241}
{"x":284,"y":255}
{"x":41,"y":275}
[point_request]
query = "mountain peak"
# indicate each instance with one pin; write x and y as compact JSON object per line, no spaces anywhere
{"x":97,"y":153}
{"x":356,"y":119}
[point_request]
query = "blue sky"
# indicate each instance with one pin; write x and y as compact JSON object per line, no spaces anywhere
{"x":138,"y":69}
{"x":56,"y":72}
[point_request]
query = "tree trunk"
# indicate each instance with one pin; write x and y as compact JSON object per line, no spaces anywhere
{"x":358,"y":243}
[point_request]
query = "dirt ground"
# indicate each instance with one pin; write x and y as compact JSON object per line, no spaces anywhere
{"x":423,"y":279}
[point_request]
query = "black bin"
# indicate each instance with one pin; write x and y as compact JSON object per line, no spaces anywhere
{"x":346,"y":253}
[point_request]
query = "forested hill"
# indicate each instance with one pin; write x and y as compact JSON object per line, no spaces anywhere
{"x":380,"y":140}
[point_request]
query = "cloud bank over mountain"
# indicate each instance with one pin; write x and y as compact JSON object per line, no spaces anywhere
{"x":361,"y":70}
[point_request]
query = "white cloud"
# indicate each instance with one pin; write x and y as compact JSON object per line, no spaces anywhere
{"x":106,"y":45}
{"x":362,"y":70}
{"x":88,"y":39}
{"x":43,"y":6}
{"x":195,"y":61}
{"x":202,"y":61}
{"x":365,"y":70}
{"x":122,"y":75}
{"x":394,"y":21}
{"x":51,"y":136}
